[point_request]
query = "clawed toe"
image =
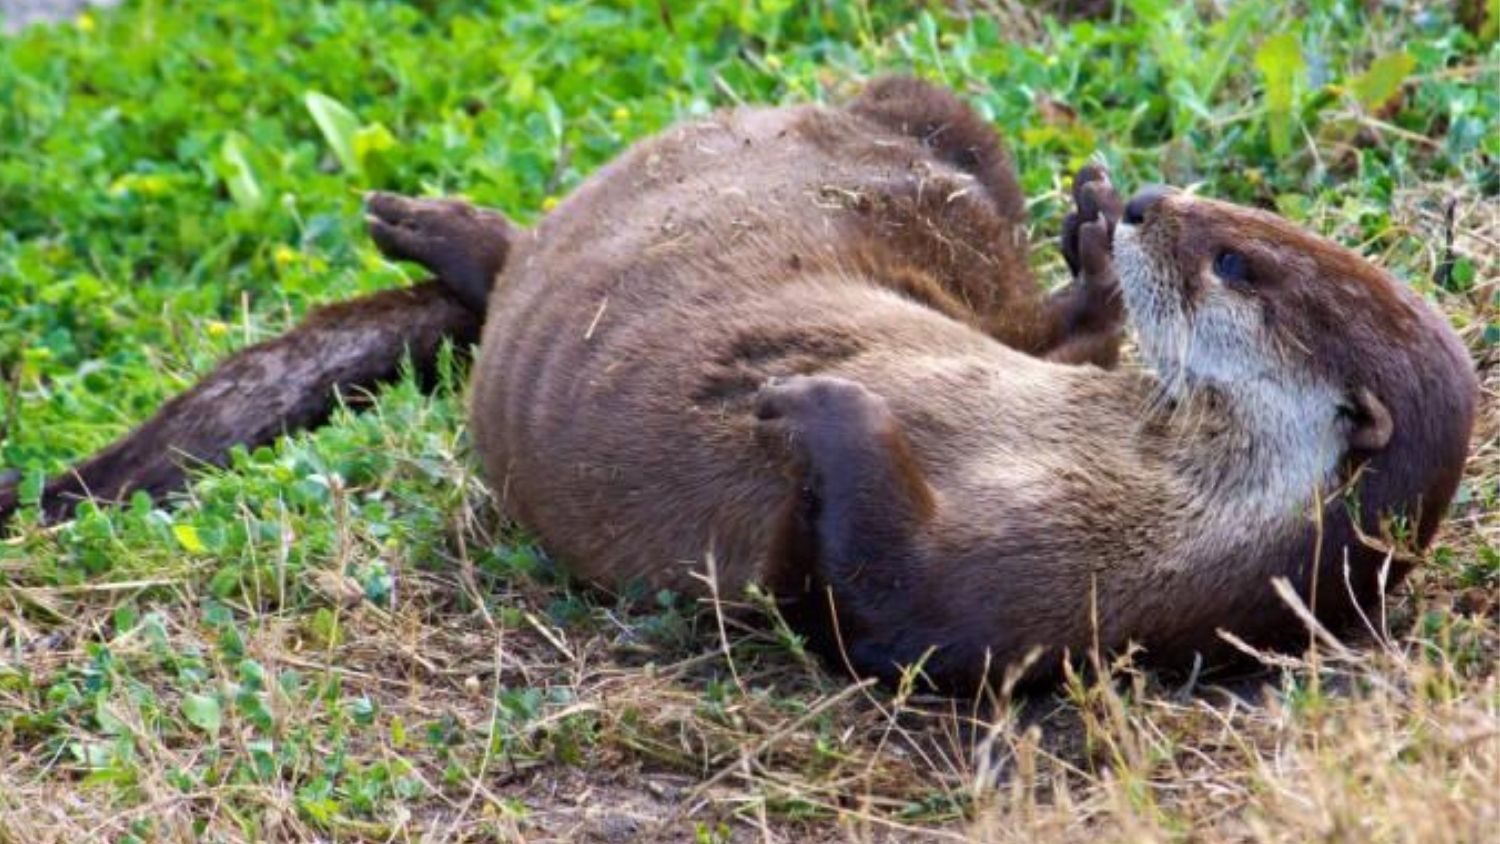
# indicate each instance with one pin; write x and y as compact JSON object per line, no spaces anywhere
{"x":408,"y":229}
{"x":395,"y":241}
{"x":1088,"y":174}
{"x":1097,"y":209}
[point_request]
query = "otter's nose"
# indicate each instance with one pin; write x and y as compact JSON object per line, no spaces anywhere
{"x":1136,"y":208}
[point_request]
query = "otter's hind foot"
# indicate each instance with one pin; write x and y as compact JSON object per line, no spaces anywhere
{"x":464,"y":246}
{"x":857,"y":464}
{"x":864,"y":508}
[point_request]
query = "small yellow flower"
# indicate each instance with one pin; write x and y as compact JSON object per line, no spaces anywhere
{"x":84,"y":22}
{"x":216,"y":328}
{"x":283,"y":255}
{"x":621,"y":114}
{"x":549,"y":203}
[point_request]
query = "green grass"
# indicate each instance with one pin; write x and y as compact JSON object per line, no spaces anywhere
{"x":333,"y":639}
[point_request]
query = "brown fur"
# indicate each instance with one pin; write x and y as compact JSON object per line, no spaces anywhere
{"x":962,"y":499}
{"x":1333,"y":322}
{"x":629,"y":331}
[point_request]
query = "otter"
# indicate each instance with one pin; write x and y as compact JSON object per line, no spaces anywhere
{"x":804,"y":342}
{"x":802,"y":347}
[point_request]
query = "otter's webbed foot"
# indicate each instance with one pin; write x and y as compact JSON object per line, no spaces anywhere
{"x":1090,"y":310}
{"x":864,"y":503}
{"x":464,"y":246}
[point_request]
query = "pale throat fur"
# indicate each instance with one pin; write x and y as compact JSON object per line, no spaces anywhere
{"x":1260,"y":437}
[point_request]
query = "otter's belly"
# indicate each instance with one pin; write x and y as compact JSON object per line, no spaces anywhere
{"x":628,"y":335}
{"x":629,"y":446}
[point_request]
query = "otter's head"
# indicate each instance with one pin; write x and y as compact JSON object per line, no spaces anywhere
{"x":1342,"y":364}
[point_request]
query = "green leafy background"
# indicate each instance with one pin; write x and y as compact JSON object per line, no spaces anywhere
{"x":178,"y":179}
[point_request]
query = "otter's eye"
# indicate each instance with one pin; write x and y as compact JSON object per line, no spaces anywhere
{"x":1231,"y":266}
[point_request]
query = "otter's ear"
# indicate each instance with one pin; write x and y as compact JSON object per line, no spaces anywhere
{"x":1370,"y":422}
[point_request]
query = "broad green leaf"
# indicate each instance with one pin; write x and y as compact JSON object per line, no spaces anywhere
{"x":522,"y":89}
{"x":1463,"y":274}
{"x":1382,"y":80}
{"x":322,"y":810}
{"x":30,"y":489}
{"x":92,"y":754}
{"x":226,"y":581}
{"x":1280,"y":61}
{"x":187,"y":537}
{"x":339,"y":125}
{"x":202,"y":711}
{"x":126,"y":617}
{"x":239,"y":177}
{"x":109,"y":722}
{"x":252,"y":707}
{"x":369,"y":143}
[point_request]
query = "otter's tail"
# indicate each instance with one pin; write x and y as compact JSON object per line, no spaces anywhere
{"x":294,"y":381}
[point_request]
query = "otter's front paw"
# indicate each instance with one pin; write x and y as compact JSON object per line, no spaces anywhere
{"x":1087,"y":243}
{"x":464,"y":246}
